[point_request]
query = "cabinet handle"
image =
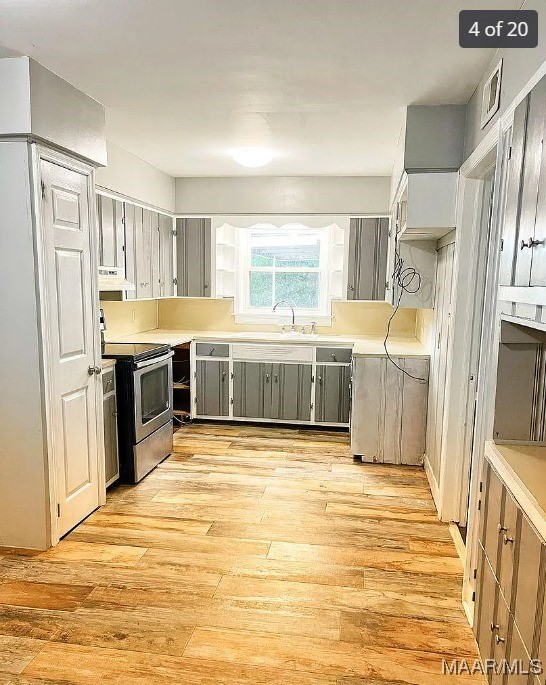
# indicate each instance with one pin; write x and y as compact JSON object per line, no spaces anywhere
{"x":276,"y":377}
{"x":502,"y":529}
{"x":114,"y":413}
{"x":224,"y":373}
{"x":507,"y":539}
{"x":499,"y":639}
{"x":352,"y":288}
{"x":267,"y":378}
{"x":494,"y":627}
{"x":320,"y":379}
{"x":211,"y":351}
{"x":334,"y":357}
{"x":206,"y":285}
{"x":530,"y":243}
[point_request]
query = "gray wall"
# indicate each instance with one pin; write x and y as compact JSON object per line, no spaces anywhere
{"x":283,"y":195}
{"x":519,"y":65}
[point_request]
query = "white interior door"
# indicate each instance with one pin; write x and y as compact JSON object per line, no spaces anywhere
{"x":71,"y":331}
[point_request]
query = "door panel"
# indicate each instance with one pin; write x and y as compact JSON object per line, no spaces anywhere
{"x":130,"y":254}
{"x":538,"y":267}
{"x":414,"y":411}
{"x":110,"y":437}
{"x":529,"y":187}
{"x":248,"y":389}
{"x":493,"y":506}
{"x":527,"y":582}
{"x":367,"y":267}
{"x":486,"y":589}
{"x":508,"y":542}
{"x":332,"y":399}
{"x":143,"y":246}
{"x":166,"y":256}
{"x":72,"y":341}
{"x":155,"y":254}
{"x":111,"y":233}
{"x":291,"y":400}
{"x":194,"y":257}
{"x":212,"y":388}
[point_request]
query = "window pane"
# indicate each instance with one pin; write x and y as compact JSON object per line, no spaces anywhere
{"x":300,"y":289}
{"x":285,"y":249}
{"x":261,"y":289}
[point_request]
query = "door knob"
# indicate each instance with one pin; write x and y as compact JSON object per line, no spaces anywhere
{"x":94,"y":370}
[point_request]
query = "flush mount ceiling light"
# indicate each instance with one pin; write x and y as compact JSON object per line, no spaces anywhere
{"x":252,"y":156}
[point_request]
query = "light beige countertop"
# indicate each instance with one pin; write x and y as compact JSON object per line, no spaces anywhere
{"x":363,"y":345}
{"x":523,"y":469}
{"x":107,"y":363}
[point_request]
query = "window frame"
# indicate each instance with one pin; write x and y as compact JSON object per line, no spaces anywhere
{"x":247,"y":314}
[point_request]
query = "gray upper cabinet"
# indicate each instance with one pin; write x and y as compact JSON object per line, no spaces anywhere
{"x":143,"y":248}
{"x":111,"y":236}
{"x":367,"y":265}
{"x":155,"y":255}
{"x":212,"y":388}
{"x":130,"y":246}
{"x":166,"y":256}
{"x":333,"y":393}
{"x":194,"y":254}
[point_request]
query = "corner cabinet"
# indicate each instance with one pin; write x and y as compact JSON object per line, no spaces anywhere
{"x":299,"y":384}
{"x":389,"y":409}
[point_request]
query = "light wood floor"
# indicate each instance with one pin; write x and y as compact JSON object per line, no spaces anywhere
{"x":250,"y":557}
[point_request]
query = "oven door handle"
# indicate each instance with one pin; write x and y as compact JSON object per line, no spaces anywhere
{"x":154,"y":360}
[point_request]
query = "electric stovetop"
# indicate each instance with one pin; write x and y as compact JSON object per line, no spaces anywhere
{"x":133,"y":352}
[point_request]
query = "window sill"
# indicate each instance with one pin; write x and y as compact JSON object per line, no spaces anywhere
{"x":282,"y":319}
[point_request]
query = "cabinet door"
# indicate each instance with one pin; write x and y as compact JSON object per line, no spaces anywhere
{"x":332,"y":398}
{"x":111,"y":233}
{"x":110,"y":438}
{"x":291,"y":393}
{"x":517,"y":652}
{"x":486,"y":590}
{"x":508,"y":543}
{"x":538,"y":266}
{"x":166,"y":255}
{"x":143,"y":243}
{"x":367,"y":267}
{"x":526,"y":587}
{"x":251,"y":385}
{"x":212,"y":388}
{"x":529,"y":186}
{"x":513,"y":184}
{"x":492,"y":518}
{"x":194,"y":257}
{"x":130,"y":254}
{"x":155,"y":255}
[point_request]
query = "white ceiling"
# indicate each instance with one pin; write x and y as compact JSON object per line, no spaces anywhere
{"x":321,"y":82}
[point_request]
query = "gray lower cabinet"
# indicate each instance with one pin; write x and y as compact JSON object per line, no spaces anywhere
{"x":366,"y":274}
{"x":212,"y":388}
{"x":333,"y":393}
{"x":510,"y":583}
{"x":109,"y":403}
{"x":272,"y":391}
{"x":193,"y":240}
{"x":389,"y":409}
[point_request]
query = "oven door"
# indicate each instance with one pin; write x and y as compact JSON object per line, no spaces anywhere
{"x":153,"y":383}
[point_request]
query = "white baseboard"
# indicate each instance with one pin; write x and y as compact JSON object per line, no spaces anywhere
{"x":433,"y":484}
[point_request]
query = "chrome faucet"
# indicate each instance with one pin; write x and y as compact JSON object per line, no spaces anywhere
{"x":293,"y":326}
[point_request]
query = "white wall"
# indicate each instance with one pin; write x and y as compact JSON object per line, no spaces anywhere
{"x":283,"y":194}
{"x":518,"y":67}
{"x":131,"y":176}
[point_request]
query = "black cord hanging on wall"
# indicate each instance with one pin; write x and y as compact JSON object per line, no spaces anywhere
{"x":408,"y":280}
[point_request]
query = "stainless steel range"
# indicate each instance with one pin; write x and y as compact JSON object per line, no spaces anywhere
{"x":144,"y":380}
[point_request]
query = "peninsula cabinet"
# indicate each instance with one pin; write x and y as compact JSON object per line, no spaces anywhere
{"x":389,"y":409}
{"x":509,"y":613}
{"x":194,"y":255}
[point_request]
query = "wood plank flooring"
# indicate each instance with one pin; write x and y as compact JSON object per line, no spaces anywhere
{"x":252,"y":556}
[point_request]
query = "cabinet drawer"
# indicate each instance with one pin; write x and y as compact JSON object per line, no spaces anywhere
{"x":492,"y":503}
{"x":486,"y":591}
{"x":341,"y":355}
{"x":212,"y":349}
{"x":527,"y":581}
{"x":508,"y":542}
{"x":108,"y":380}
{"x":271,"y":353}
